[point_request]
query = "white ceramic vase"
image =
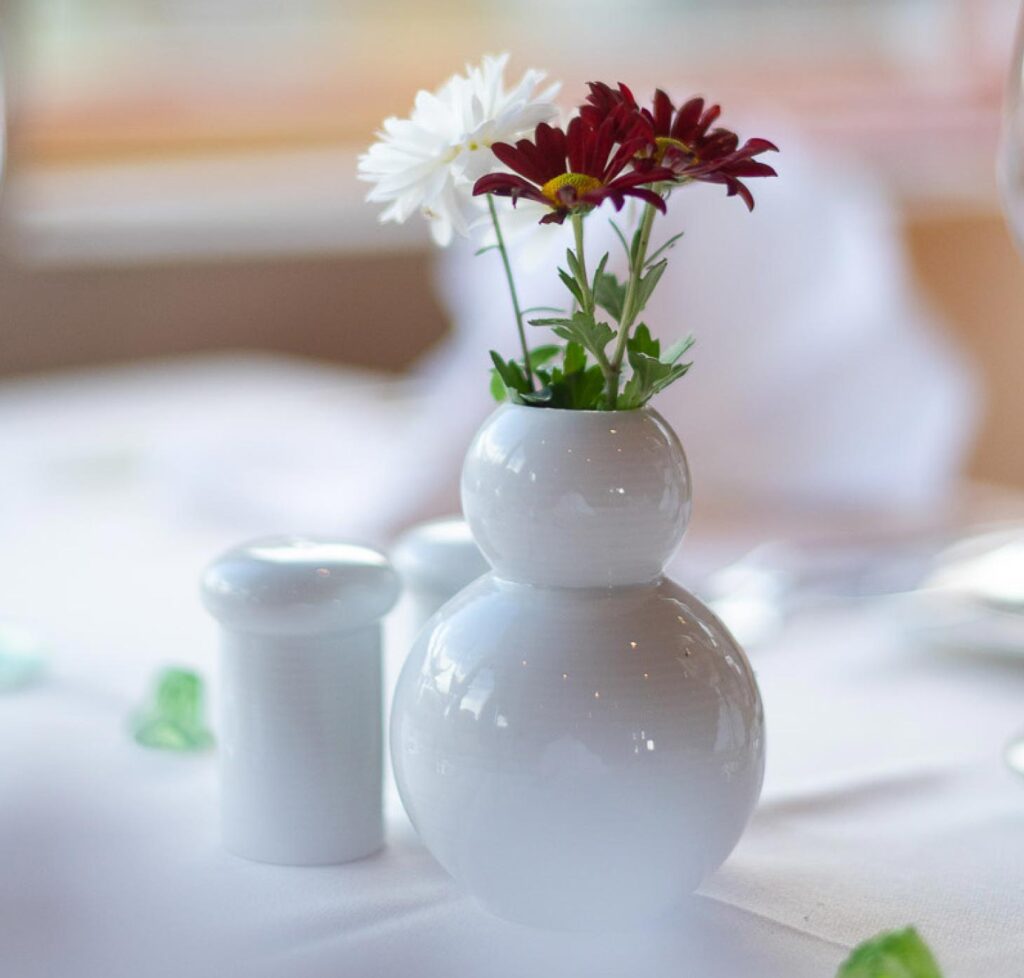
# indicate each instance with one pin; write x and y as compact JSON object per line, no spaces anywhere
{"x":577,"y":739}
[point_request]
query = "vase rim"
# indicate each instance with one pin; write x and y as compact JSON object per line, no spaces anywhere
{"x":591,"y":412}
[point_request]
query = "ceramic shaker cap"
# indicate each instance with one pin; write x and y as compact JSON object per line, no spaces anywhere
{"x":439,"y":554}
{"x":293,"y":585}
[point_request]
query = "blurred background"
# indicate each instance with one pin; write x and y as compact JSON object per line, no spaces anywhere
{"x":181,"y":175}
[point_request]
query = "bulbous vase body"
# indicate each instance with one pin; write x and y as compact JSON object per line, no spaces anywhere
{"x":578,"y":740}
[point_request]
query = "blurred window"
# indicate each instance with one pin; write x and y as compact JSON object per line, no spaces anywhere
{"x":108,"y":78}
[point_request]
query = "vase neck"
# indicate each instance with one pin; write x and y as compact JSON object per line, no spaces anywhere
{"x":576,"y":499}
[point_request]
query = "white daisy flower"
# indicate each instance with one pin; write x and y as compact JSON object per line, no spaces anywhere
{"x":430,"y":161}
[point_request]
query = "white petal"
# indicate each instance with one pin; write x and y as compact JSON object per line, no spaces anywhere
{"x":425,"y":162}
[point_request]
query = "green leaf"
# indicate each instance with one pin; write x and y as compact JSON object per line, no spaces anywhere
{"x":572,"y":285}
{"x":650,"y":374}
{"x":642,"y":342}
{"x":573,"y":263}
{"x":667,"y":246}
{"x":545,"y":397}
{"x":677,"y":349}
{"x":575,"y":358}
{"x":498,"y":389}
{"x":634,"y":248}
{"x":575,"y":386}
{"x":621,"y":237}
{"x":600,"y":271}
{"x":581,"y":328}
{"x":648,"y":283}
{"x":485,"y":249}
{"x":511,"y":376}
{"x":540,"y":355}
{"x":895,"y":954}
{"x":554,"y":320}
{"x":585,"y":388}
{"x":609,"y":293}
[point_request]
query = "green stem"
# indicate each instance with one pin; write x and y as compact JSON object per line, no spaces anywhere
{"x":629,"y":312}
{"x":581,"y":258}
{"x":589,"y":304}
{"x":512,"y":290}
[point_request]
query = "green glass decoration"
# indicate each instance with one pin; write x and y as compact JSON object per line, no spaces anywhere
{"x":895,"y":954}
{"x":22,"y":656}
{"x":173,"y":720}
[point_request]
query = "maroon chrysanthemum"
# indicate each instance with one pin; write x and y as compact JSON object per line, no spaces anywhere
{"x":692,"y":150}
{"x":620,"y":106}
{"x":577,"y":168}
{"x":683,"y":140}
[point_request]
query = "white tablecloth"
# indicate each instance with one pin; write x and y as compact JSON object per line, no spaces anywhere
{"x":885,"y":802}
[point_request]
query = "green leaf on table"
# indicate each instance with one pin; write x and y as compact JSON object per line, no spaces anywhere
{"x":173,"y":717}
{"x":894,"y":954}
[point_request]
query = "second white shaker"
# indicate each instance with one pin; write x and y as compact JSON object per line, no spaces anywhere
{"x":301,"y":712}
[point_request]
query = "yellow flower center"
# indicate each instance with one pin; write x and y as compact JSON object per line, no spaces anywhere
{"x":582,"y":183}
{"x":664,"y":142}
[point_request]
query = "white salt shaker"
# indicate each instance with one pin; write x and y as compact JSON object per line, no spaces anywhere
{"x":301,"y":720}
{"x":436,"y":560}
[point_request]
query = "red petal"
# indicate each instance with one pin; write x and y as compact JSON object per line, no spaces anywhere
{"x":755,"y":146}
{"x":709,"y":117}
{"x":507,"y":185}
{"x":687,"y":119}
{"x":516,"y":159}
{"x":551,"y":148}
{"x":647,"y":195}
{"x":662,"y":115}
{"x":576,"y":145}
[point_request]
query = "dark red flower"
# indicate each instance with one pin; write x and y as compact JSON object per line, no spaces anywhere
{"x":576,"y":169}
{"x":688,"y":146}
{"x":683,"y":140}
{"x":619,"y":105}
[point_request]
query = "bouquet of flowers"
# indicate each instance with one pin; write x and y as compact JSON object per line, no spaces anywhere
{"x":474,"y":141}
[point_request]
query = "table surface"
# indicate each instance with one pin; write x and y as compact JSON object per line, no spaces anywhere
{"x":886,"y":801}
